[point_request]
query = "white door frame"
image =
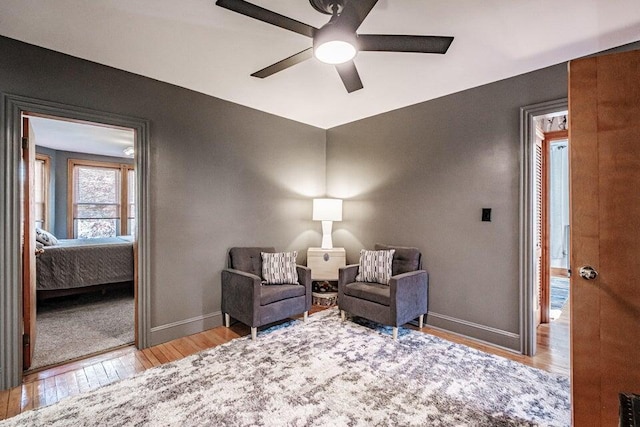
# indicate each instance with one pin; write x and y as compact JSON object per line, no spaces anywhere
{"x":11,"y":109}
{"x":526,"y":268}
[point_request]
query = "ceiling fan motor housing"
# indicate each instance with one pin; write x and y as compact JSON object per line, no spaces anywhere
{"x":327,"y":6}
{"x":334,"y":31}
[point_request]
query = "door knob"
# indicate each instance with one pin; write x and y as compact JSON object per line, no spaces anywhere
{"x":588,"y":273}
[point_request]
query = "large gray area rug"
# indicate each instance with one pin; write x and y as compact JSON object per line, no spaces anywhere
{"x":324,"y":372}
{"x":71,"y":327}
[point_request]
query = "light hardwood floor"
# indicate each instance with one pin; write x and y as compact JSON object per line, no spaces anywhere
{"x":50,"y":385}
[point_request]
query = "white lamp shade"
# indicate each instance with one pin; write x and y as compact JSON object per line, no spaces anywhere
{"x":327,"y":209}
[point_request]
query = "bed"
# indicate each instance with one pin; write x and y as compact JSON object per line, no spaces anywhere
{"x":80,"y":265}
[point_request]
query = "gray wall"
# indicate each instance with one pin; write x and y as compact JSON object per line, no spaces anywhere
{"x":220,"y":175}
{"x":58,"y":183}
{"x":419,"y":176}
{"x":225,"y":175}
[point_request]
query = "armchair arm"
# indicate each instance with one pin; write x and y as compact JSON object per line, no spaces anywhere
{"x":346,"y":275}
{"x":409,"y":295}
{"x":241,"y":295}
{"x":304,"y":278}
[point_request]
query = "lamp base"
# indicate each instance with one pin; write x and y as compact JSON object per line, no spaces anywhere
{"x":327,"y":241}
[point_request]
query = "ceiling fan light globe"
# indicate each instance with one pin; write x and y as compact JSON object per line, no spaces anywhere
{"x":335,"y":52}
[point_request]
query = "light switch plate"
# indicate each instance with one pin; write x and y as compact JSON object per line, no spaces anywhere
{"x":486,"y":214}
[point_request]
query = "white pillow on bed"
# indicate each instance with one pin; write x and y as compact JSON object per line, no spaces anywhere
{"x":45,"y":237}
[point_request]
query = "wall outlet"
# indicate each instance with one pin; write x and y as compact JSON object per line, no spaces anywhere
{"x":486,"y":214}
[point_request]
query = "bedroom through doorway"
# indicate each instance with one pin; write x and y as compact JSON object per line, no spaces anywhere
{"x":79,"y":209}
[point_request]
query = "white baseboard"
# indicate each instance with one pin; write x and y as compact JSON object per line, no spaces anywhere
{"x":182,"y":328}
{"x":486,"y":334}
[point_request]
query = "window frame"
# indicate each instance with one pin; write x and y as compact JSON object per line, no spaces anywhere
{"x":123,"y":169}
{"x":46,"y":176}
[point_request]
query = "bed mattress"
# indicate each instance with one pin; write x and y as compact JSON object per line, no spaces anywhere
{"x":76,"y":263}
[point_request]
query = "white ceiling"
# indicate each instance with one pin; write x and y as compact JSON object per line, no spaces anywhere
{"x":81,"y":137}
{"x":200,"y":46}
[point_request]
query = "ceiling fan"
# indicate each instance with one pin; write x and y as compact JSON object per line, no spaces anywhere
{"x":337,"y":41}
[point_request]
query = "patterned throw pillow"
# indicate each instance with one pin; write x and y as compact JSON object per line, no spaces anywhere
{"x":375,"y":266}
{"x":45,"y":237}
{"x":279,"y":268}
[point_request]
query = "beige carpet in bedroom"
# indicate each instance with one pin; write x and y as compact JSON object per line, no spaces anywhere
{"x":76,"y":326}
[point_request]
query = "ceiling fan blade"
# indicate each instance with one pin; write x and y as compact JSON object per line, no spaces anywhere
{"x":355,"y":12}
{"x":285,"y":63}
{"x":349,"y":75}
{"x":264,"y":15}
{"x":392,"y":43}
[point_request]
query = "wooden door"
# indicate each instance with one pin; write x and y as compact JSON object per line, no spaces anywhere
{"x":604,"y":116}
{"x":28,"y":245}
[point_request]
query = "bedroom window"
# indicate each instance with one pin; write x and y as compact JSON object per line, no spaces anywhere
{"x":102,"y":199}
{"x":41,"y":190}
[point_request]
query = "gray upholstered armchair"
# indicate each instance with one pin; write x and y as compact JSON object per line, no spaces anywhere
{"x":245,"y":298}
{"x":402,"y":300}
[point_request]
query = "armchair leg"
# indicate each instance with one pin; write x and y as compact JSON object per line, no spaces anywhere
{"x":395,"y":333}
{"x":227,"y":320}
{"x":342,"y":315}
{"x":420,"y":321}
{"x":254,"y":333}
{"x":304,"y":316}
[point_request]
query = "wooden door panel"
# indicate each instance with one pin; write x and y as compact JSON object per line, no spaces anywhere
{"x":619,"y":153}
{"x":585,"y":300}
{"x":604,"y":108}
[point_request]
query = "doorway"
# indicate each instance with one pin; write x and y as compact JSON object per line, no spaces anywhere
{"x":544,"y":125}
{"x":551,"y":216}
{"x":558,"y":232}
{"x":11,"y":313}
{"x":82,"y":208}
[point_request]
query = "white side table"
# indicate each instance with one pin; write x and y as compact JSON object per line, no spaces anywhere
{"x":324,"y":263}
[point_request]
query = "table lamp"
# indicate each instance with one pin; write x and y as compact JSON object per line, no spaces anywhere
{"x":327,"y":211}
